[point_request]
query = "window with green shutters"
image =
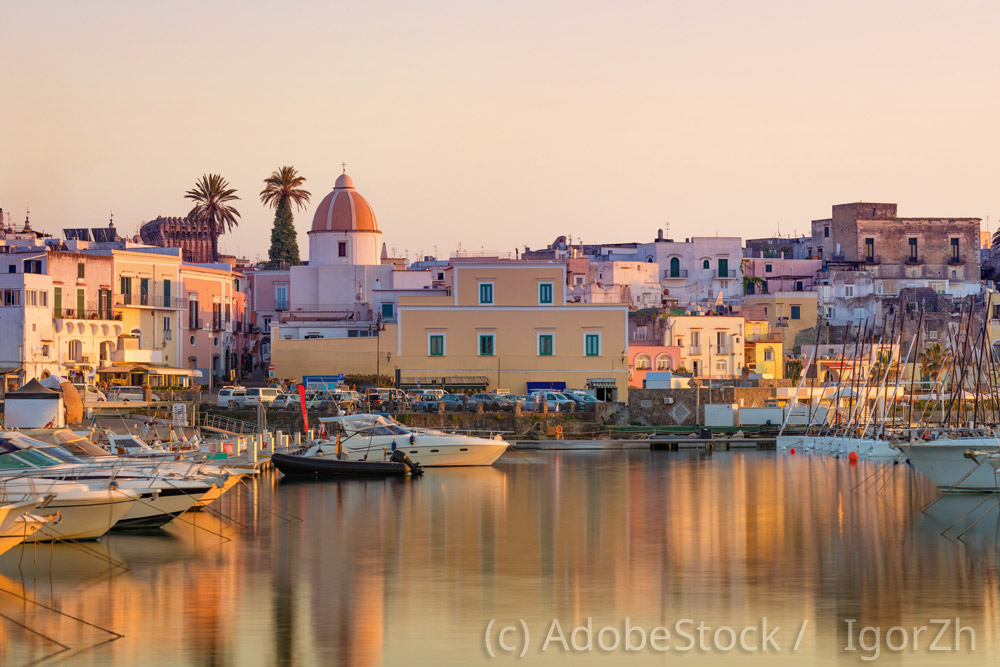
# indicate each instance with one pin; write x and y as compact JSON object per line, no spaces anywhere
{"x":387,"y":311}
{"x":81,"y":270}
{"x":592,"y":344}
{"x":545,"y":293}
{"x":485,"y":292}
{"x":796,"y":313}
{"x":546,"y":343}
{"x":487,"y":345}
{"x":81,"y":302}
{"x":723,"y":268}
{"x":57,"y":302}
{"x":435,"y":345}
{"x":166,"y":293}
{"x":144,"y":291}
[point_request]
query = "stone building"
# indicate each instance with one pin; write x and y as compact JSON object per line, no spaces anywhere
{"x":193,"y":238}
{"x":873,"y":237}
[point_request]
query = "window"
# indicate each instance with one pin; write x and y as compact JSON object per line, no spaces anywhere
{"x":267,"y":324}
{"x":81,"y":301}
{"x":642,"y":362}
{"x":663,"y":362}
{"x":341,"y":248}
{"x":796,"y":313}
{"x":954,"y":250}
{"x":720,"y":342}
{"x":388,"y":310}
{"x":767,"y":268}
{"x":487,"y":345}
{"x":848,"y":291}
{"x":640,"y":332}
{"x":12,"y":268}
{"x":57,"y":302}
{"x":706,"y":264}
{"x":144,"y":291}
{"x":870,"y":250}
{"x":826,"y":231}
{"x":720,"y":365}
{"x":11,"y":297}
{"x":31,"y":297}
{"x":485,"y":293}
{"x":166,"y":293}
{"x":831,"y":311}
{"x":435,"y":345}
{"x":723,"y":268}
{"x":675,"y":267}
{"x":799,"y":286}
{"x":546,"y":345}
{"x":81,"y":270}
{"x":592,"y":344}
{"x":193,"y":322}
{"x":281,"y":297}
{"x":544,"y":293}
{"x":45,"y":350}
{"x":768,"y":354}
{"x":166,"y":324}
{"x":577,"y":280}
{"x":695,"y":339}
{"x":912,"y":244}
{"x":75,"y":350}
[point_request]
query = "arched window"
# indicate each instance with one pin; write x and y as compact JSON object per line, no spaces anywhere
{"x":675,"y":267}
{"x":706,"y":264}
{"x":664,"y":362}
{"x":642,"y":362}
{"x":768,"y":354}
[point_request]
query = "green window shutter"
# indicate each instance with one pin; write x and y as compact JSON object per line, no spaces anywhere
{"x":57,"y":302}
{"x":437,"y":346}
{"x":81,"y":301}
{"x":723,"y":268}
{"x":486,"y":345}
{"x":675,"y":267}
{"x":796,"y":313}
{"x":545,"y":345}
{"x":485,"y":293}
{"x":387,"y":310}
{"x":593,"y":345}
{"x":545,"y":293}
{"x":166,"y":293}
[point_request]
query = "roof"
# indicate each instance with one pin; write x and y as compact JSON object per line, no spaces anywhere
{"x":34,"y":389}
{"x":344,"y":210}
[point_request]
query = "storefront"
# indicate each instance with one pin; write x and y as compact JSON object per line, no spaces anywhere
{"x":132,"y":375}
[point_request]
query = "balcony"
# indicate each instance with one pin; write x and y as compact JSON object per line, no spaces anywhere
{"x":682,"y":273}
{"x":281,"y":305}
{"x":74,"y":314}
{"x":956,"y":260}
{"x":695,"y":350}
{"x":137,"y":356}
{"x":914,"y":259}
{"x":149,"y":301}
{"x":725,"y":275}
{"x":872,"y":259}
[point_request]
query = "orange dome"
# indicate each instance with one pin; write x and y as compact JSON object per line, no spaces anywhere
{"x":344,"y":210}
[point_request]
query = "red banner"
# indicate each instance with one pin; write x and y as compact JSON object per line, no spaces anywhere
{"x":302,"y":403}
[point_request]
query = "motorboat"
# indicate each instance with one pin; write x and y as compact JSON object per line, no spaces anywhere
{"x":368,"y":436}
{"x":17,"y":524}
{"x":951,"y":464}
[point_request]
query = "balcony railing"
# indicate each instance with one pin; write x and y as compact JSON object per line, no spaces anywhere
{"x":725,"y":275}
{"x":281,"y":305}
{"x":913,"y":259}
{"x":873,"y":259}
{"x":149,"y":300}
{"x":74,"y":314}
{"x":682,"y":273}
{"x":695,"y":349}
{"x":956,"y":260}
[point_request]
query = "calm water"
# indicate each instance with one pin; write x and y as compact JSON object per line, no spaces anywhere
{"x":412,"y":572}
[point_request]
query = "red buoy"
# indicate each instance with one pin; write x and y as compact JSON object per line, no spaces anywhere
{"x":853,"y":457}
{"x":791,"y":451}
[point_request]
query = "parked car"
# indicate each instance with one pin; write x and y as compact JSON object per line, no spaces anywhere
{"x":283,"y":400}
{"x":257,"y":395}
{"x":126,"y":394}
{"x":89,"y":393}
{"x":429,"y":403}
{"x":231,"y":397}
{"x":494,"y":402}
{"x":557,"y":402}
{"x":529,"y":403}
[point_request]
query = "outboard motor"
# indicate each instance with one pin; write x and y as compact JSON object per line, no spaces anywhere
{"x":399,"y":456}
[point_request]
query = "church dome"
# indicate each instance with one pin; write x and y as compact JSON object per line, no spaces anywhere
{"x":344,"y":210}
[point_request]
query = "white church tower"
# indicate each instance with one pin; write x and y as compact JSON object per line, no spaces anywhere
{"x":344,"y":230}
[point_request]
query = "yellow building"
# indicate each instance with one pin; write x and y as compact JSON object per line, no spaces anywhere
{"x":147,"y":293}
{"x":763,"y":350}
{"x":711,"y":345}
{"x":503,"y":325}
{"x":786,"y":312}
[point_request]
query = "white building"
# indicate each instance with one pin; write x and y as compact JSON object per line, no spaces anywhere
{"x":711,"y":345}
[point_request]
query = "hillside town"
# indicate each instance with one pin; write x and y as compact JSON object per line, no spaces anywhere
{"x":164,"y":310}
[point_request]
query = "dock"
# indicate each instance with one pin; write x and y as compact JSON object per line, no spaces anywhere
{"x":670,"y":443}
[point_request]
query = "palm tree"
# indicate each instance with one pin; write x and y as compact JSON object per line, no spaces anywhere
{"x":934,"y":359}
{"x":282,"y":189}
{"x":212,"y":194}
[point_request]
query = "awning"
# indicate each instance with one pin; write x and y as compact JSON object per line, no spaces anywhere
{"x":454,"y":381}
{"x":542,"y":386}
{"x":10,"y":370}
{"x":601,"y":383}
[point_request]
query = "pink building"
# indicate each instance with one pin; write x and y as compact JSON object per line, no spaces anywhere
{"x":645,"y":358}
{"x":214,"y":323}
{"x":770,"y":275}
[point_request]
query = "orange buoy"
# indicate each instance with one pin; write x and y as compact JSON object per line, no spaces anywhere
{"x":791,"y":451}
{"x":853,"y":457}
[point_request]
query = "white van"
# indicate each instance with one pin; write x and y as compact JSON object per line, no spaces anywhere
{"x":126,"y":394}
{"x":89,"y":393}
{"x":257,"y":395}
{"x":232,"y":397}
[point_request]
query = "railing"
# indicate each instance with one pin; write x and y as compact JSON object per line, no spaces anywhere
{"x":913,"y":260}
{"x":280,"y":305}
{"x":149,"y":300}
{"x":74,"y":314}
{"x":227,"y":424}
{"x":725,"y":275}
{"x":681,"y":273}
{"x":956,"y":260}
{"x":695,"y":349}
{"x":873,"y":259}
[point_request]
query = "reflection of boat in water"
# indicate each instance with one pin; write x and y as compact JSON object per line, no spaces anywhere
{"x":369,"y":435}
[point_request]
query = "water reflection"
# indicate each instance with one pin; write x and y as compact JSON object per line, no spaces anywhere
{"x":365,"y":572}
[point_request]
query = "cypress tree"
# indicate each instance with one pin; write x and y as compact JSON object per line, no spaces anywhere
{"x":284,"y":241}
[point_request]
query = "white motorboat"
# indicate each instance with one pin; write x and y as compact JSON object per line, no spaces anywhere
{"x":17,"y":524}
{"x":945,"y":463}
{"x":376,"y":436}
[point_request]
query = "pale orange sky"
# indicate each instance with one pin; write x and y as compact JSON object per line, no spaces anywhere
{"x":500,"y":124}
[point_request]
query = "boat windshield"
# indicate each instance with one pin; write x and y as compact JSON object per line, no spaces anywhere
{"x":27,"y":458}
{"x":382,"y":429}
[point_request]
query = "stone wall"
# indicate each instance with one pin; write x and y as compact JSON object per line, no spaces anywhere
{"x":679,"y":407}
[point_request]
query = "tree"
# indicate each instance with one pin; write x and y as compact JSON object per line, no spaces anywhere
{"x":212,"y":194}
{"x":933,"y":359}
{"x":282,"y":189}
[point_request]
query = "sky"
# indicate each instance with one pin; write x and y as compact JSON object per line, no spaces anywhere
{"x":491,"y":125}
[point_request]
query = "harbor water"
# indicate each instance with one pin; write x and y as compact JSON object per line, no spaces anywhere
{"x":552,"y":554}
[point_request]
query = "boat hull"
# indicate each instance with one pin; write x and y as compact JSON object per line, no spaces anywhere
{"x":430,"y":454}
{"x":298,"y":466}
{"x":947,"y":467}
{"x":83,"y":516}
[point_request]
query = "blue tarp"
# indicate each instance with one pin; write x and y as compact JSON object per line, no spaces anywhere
{"x":542,"y":386}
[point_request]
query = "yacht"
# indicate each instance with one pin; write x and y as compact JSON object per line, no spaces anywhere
{"x":950,"y":463}
{"x":376,"y":436}
{"x":17,"y":525}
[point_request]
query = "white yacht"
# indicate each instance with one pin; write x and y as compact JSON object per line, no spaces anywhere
{"x":375,"y":436}
{"x":17,"y":524}
{"x":950,"y":463}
